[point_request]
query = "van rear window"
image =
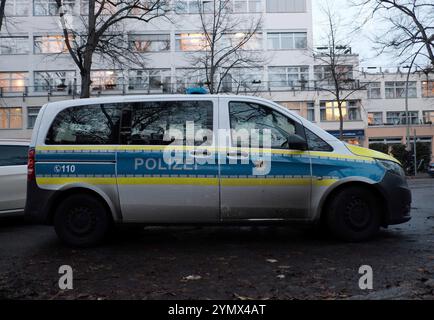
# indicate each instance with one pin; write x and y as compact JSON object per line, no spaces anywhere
{"x":93,"y":124}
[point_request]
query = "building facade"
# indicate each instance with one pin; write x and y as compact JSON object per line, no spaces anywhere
{"x":35,"y":67}
{"x":385,"y":106}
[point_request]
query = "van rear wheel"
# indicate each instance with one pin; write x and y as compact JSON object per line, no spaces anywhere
{"x":81,"y":220}
{"x":353,"y":214}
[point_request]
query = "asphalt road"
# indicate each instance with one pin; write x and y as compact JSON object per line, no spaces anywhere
{"x":224,"y":263}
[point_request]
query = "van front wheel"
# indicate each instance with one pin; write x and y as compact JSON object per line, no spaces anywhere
{"x":353,"y":214}
{"x":81,"y":220}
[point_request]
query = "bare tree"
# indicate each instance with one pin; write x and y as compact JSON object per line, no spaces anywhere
{"x":2,"y":12}
{"x":337,"y":76}
{"x":101,"y":33}
{"x":410,"y":25}
{"x":224,"y":43}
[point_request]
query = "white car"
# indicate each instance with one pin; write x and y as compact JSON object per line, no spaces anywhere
{"x":13,"y":176}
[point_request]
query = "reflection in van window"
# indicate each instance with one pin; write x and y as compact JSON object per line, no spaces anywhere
{"x":164,"y":123}
{"x":315,"y":143}
{"x":93,"y":124}
{"x":246,"y":117}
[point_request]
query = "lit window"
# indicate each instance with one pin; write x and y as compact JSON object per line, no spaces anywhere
{"x":397,"y":89}
{"x":149,"y":42}
{"x":14,"y":45}
{"x":191,"y":42}
{"x":428,"y":89}
{"x":375,"y":118}
{"x":13,"y":81}
{"x":11,"y":118}
{"x":287,"y":40}
{"x":49,"y":44}
{"x":330,"y":111}
{"x":428,"y":117}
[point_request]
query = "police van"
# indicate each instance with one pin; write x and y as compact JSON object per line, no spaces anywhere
{"x":202,"y":159}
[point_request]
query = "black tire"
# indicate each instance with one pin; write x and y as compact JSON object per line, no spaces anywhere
{"x":81,"y":220}
{"x":353,"y":214}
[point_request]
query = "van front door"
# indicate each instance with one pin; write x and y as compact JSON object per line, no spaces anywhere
{"x":167,"y":171}
{"x":272,"y":182}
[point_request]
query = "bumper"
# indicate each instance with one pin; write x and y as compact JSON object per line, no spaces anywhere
{"x":398,"y":199}
{"x":38,"y":203}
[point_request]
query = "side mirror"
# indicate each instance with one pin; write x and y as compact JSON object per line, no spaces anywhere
{"x":296,"y":142}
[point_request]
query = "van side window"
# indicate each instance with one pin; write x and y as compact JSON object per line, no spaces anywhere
{"x":165,"y":122}
{"x":246,"y":117}
{"x":13,"y":155}
{"x":93,"y":124}
{"x":315,"y":143}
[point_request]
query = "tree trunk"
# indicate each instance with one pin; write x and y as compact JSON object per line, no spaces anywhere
{"x":85,"y":84}
{"x":341,"y":122}
{"x":2,"y":12}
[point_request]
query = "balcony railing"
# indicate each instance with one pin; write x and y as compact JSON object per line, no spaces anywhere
{"x":170,"y":88}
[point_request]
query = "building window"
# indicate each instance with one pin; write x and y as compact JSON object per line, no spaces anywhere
{"x":49,"y":44}
{"x":232,"y":40}
{"x":397,"y":89}
{"x":191,"y":42}
{"x":109,"y":8}
{"x":375,"y":118}
{"x":324,"y":73}
{"x":311,"y":111}
{"x":188,"y":77}
{"x":54,"y":80}
{"x":428,"y":89}
{"x":152,"y":79}
{"x":252,"y":6}
{"x":17,"y":8}
{"x":287,"y":40}
{"x":400,"y":118}
{"x":241,"y":79}
{"x":50,"y":8}
{"x":32,"y":113}
{"x":279,"y":6}
{"x":11,"y":118}
{"x":330,"y":111}
{"x":104,"y":80}
{"x":149,"y":42}
{"x":14,"y":45}
{"x":295,"y":77}
{"x":13,"y":81}
{"x":374,"y":90}
{"x":428,"y":117}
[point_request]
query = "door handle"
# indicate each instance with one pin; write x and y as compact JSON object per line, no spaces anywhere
{"x":237,"y":155}
{"x":200,"y":153}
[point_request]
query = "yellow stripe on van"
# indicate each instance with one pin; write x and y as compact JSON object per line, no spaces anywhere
{"x":169,"y":181}
{"x":232,"y":182}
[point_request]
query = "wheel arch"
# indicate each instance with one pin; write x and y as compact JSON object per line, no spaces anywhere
{"x":60,"y":195}
{"x":366,"y":184}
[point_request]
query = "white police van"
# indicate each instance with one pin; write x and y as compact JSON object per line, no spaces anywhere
{"x":202,"y":159}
